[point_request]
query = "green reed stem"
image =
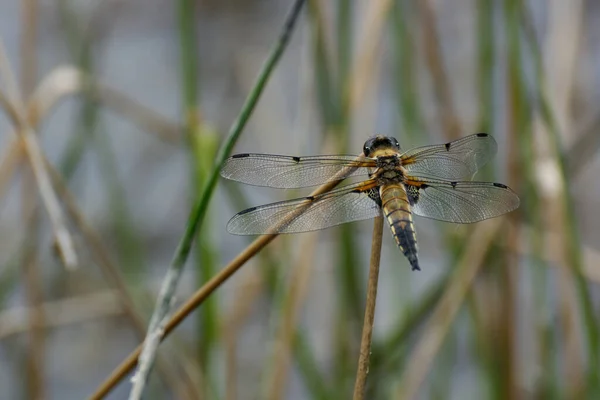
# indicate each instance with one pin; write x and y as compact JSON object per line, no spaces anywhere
{"x":199,"y":210}
{"x":202,"y":145}
{"x":572,"y":232}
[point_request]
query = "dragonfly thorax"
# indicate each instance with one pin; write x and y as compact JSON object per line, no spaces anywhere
{"x":389,"y":170}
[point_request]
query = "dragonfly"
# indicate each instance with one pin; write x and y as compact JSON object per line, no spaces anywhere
{"x":431,"y":181}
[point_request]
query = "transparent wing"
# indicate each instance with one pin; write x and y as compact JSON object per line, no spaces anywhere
{"x":462,"y":202}
{"x":455,"y":160}
{"x":346,"y":204}
{"x":288,"y":172}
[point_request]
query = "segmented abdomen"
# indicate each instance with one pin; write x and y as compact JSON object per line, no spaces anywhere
{"x":396,"y":209}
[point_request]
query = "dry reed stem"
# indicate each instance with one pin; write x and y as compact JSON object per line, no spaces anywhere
{"x":362,"y":67}
{"x":65,"y":81}
{"x":435,"y":62}
{"x":34,"y":294}
{"x":505,"y":324}
{"x":30,"y":215}
{"x":164,"y":301}
{"x":296,"y":294}
{"x":32,"y":276}
{"x":208,"y":288}
{"x":7,"y":77}
{"x":431,"y":340}
{"x":367,"y":331}
{"x":29,"y":37}
{"x":552,"y":256}
{"x":69,"y":311}
{"x":57,"y":85}
{"x":16,"y":113}
{"x":571,"y":335}
{"x":563,"y":26}
{"x":10,"y":160}
{"x":243,"y":303}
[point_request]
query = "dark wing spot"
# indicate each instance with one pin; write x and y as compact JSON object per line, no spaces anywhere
{"x":247,"y":211}
{"x":482,"y":135}
{"x":310,"y":198}
{"x":297,"y":159}
{"x":453,"y":184}
{"x":424,"y":186}
{"x":448,"y":146}
{"x":500,"y":185}
{"x":242,"y":155}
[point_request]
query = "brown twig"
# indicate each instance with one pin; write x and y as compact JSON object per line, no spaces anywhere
{"x":243,"y":302}
{"x":367,"y":331}
{"x":30,"y":213}
{"x":202,"y":294}
{"x":292,"y":303}
{"x":34,"y":292}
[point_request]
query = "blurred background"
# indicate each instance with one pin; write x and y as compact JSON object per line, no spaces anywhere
{"x":129,"y":101}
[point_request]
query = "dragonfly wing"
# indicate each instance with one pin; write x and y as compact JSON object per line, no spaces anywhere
{"x":455,"y":160}
{"x":349,"y":203}
{"x":461,"y":202}
{"x":288,"y":172}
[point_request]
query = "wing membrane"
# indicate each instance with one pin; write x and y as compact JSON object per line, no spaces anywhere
{"x":288,"y":172}
{"x":346,"y":204}
{"x":456,"y":160}
{"x":463,"y":202}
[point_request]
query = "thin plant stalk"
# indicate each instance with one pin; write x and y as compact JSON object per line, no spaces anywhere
{"x":367,"y":331}
{"x":163,"y":304}
{"x":15,"y":111}
{"x":435,"y":63}
{"x":32,"y":276}
{"x":244,"y":301}
{"x":201,"y":294}
{"x":269,"y":261}
{"x":572,"y":244}
{"x":291,"y":306}
{"x":65,"y":81}
{"x":202,"y":146}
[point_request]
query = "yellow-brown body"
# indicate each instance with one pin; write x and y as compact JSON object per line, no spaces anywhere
{"x":396,"y":209}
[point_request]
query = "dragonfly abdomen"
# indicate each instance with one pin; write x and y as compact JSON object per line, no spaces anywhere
{"x":396,"y":209}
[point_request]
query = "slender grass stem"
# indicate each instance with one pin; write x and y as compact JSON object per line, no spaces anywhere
{"x":163,"y":304}
{"x":572,"y":242}
{"x":35,"y":154}
{"x":367,"y":332}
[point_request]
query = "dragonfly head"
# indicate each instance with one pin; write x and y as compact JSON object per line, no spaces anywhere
{"x":380,"y":143}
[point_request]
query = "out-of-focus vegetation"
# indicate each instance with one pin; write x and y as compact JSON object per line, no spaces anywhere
{"x":113,"y":115}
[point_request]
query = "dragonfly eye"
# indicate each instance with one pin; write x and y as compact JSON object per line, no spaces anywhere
{"x":396,"y":143}
{"x":366,"y":150}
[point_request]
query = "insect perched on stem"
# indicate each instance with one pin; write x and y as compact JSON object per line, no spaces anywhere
{"x":425,"y":181}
